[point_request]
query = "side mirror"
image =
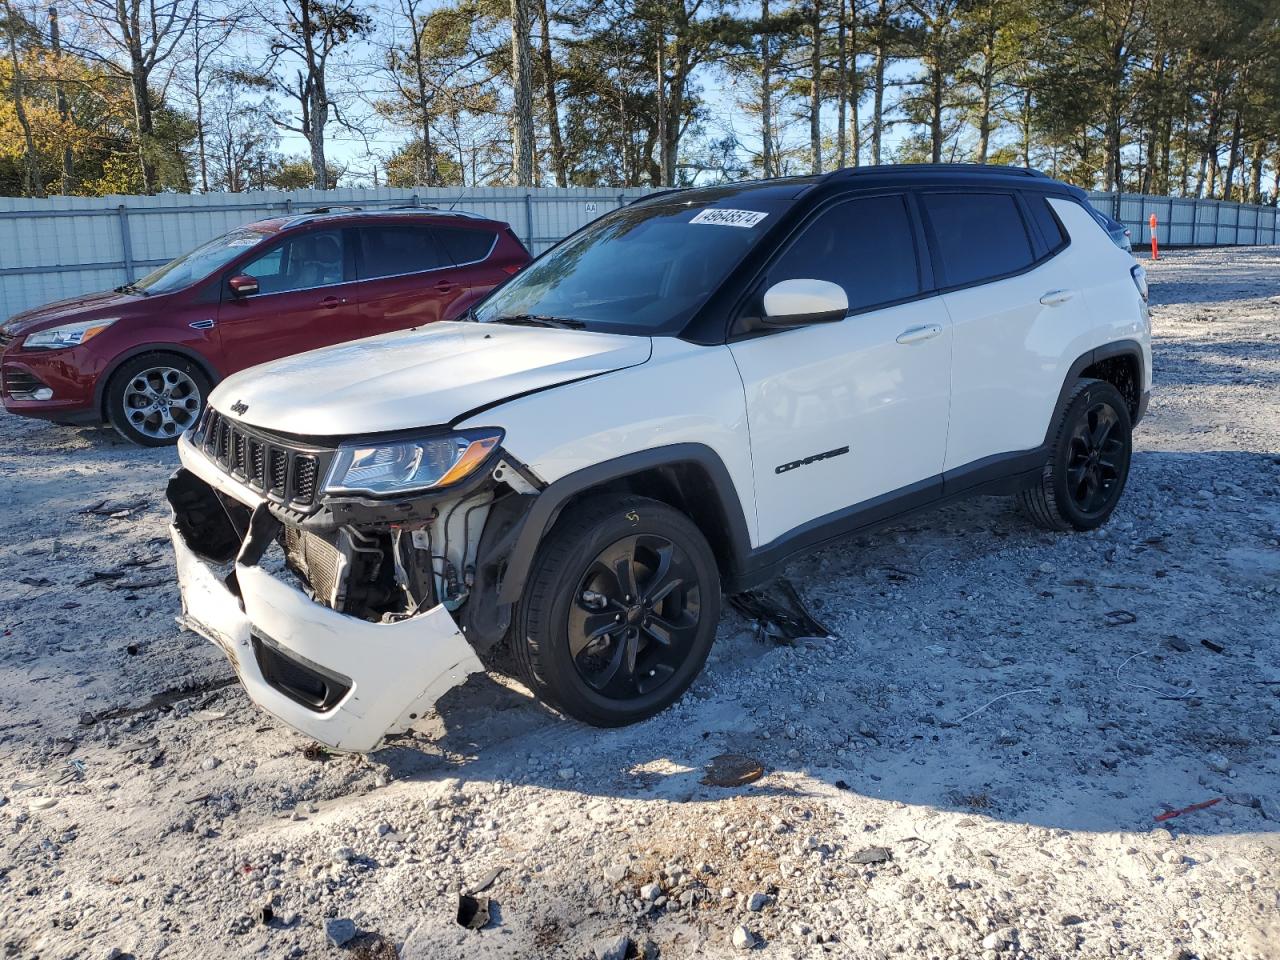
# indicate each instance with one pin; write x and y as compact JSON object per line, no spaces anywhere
{"x":790,"y":303}
{"x":243,"y":285}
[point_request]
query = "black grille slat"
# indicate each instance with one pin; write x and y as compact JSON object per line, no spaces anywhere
{"x":257,"y":464}
{"x":282,"y":473}
{"x":304,"y":479}
{"x":279,"y":464}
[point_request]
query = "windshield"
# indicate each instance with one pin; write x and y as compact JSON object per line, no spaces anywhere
{"x":200,"y":262}
{"x":642,"y":270}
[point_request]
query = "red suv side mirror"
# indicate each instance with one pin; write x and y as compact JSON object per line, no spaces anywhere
{"x":243,"y":285}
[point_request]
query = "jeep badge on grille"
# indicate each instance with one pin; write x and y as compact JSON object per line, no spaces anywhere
{"x":239,"y":408}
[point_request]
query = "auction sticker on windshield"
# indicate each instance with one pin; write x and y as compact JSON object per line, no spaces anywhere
{"x":729,"y":218}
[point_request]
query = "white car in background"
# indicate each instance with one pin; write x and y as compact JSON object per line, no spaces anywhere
{"x":663,"y":409}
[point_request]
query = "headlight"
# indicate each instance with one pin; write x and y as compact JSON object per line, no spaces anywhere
{"x":409,"y":465}
{"x":68,"y":335}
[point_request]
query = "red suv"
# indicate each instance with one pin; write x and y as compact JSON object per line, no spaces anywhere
{"x":145,"y":356}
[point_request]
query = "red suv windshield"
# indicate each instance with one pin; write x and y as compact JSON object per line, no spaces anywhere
{"x":200,"y":262}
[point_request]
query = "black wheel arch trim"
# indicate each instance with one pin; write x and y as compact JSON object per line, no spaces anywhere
{"x":100,"y":388}
{"x":546,"y":506}
{"x":1107,"y":351}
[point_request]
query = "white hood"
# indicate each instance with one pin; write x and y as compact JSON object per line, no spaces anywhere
{"x":417,"y":378}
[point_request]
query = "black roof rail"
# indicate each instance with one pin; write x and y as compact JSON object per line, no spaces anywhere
{"x":658,"y":193}
{"x":989,"y":169}
{"x":337,"y":208}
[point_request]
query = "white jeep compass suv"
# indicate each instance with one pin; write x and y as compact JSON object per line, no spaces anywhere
{"x":661,"y":410}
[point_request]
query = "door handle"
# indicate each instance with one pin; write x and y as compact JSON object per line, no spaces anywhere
{"x":1055,"y":297}
{"x":330,"y":302}
{"x":920,"y":334}
{"x":446,"y":286}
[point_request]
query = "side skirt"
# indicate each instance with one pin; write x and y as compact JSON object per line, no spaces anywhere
{"x":1000,"y":475}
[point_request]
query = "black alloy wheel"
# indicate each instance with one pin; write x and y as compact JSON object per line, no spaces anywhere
{"x":1096,"y":460}
{"x":635,"y":616}
{"x":619,"y":610}
{"x":1088,"y":462}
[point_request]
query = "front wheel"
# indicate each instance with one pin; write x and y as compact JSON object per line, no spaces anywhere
{"x":1088,"y":463}
{"x":152,"y":399}
{"x":619,"y":612}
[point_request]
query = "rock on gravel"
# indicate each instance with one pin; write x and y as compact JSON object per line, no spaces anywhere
{"x":612,"y":948}
{"x":340,"y":931}
{"x":743,"y":939}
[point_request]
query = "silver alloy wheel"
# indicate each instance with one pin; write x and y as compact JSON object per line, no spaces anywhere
{"x":161,"y":402}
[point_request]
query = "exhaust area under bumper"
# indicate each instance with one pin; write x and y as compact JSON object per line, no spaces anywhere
{"x":344,"y":681}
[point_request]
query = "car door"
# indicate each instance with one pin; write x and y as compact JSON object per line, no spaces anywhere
{"x":843,"y":413}
{"x":407,"y":277}
{"x":1013,"y":315}
{"x":306,"y":299}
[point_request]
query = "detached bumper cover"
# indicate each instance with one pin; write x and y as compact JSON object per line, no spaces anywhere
{"x":340,"y":680}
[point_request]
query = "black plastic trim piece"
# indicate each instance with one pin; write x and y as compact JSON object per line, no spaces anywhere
{"x":546,"y":507}
{"x":1116,"y":348}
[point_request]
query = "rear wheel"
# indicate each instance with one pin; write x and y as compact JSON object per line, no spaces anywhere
{"x":152,"y":399}
{"x":619,"y":612}
{"x":1088,"y":464}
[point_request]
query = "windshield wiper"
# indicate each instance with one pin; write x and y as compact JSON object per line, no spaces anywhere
{"x":132,"y":287}
{"x":541,"y":320}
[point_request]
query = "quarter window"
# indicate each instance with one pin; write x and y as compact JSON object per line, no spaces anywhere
{"x":866,"y":246}
{"x":305,"y":260}
{"x":466,"y":246}
{"x":980,"y":236}
{"x":1050,"y":229}
{"x":393,"y":249}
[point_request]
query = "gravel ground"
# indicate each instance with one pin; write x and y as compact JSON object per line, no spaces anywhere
{"x":973,"y":768}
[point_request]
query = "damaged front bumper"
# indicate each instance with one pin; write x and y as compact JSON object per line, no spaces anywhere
{"x":342,"y":680}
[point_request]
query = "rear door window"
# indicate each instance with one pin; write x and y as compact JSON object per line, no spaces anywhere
{"x":867,"y":246}
{"x":979,"y":236}
{"x":395,"y":249}
{"x":466,"y":246}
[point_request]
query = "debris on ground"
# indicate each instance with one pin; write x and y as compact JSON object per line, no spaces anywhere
{"x":779,"y":613}
{"x":1170,"y":814}
{"x":869,"y":855}
{"x":732,"y":770}
{"x":473,"y":912}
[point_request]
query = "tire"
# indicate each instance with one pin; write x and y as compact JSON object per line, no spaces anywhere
{"x":576,"y":589}
{"x":1084,"y":476}
{"x":177,"y":387}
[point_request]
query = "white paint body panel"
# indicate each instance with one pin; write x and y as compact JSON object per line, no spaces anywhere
{"x":411,"y":379}
{"x":826,"y":386}
{"x":685,"y":393}
{"x":1012,"y":352}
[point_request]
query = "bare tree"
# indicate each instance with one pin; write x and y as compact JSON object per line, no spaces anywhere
{"x":522,"y":96}
{"x":304,"y":42}
{"x":144,"y":34}
{"x":211,"y":29}
{"x":60,"y":95}
{"x":552,"y":99}
{"x":815,"y":87}
{"x":33,"y":185}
